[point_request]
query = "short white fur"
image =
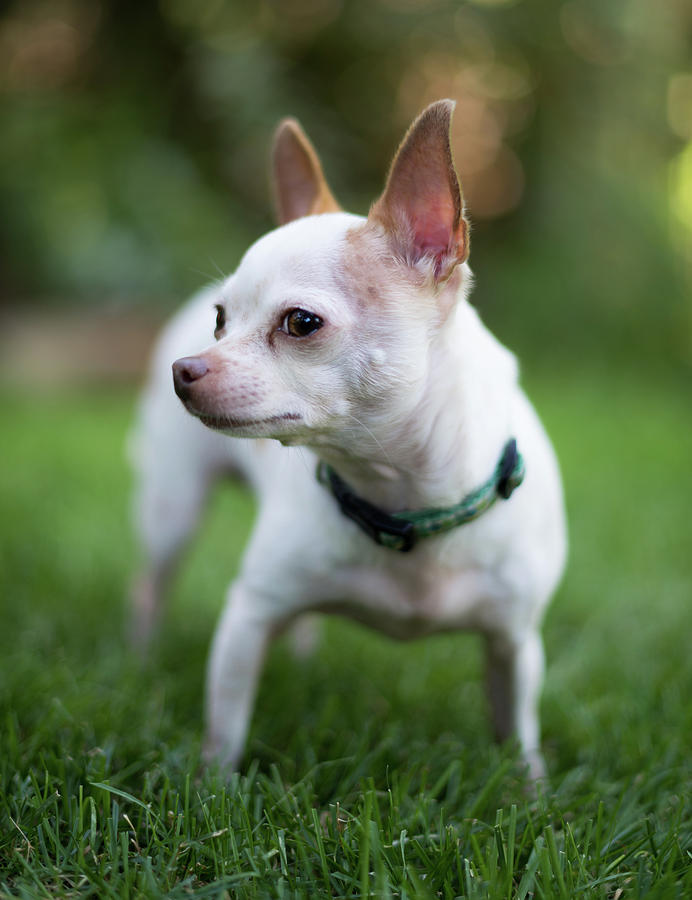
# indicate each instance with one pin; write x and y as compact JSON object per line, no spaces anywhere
{"x":411,"y":399}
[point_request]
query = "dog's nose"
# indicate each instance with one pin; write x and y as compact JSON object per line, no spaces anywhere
{"x":186,"y":371}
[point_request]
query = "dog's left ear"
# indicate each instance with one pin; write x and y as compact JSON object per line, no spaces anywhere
{"x":300,"y":188}
{"x":422,"y":205}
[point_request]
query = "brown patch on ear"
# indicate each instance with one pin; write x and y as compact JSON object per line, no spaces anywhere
{"x":300,"y":188}
{"x":422,"y":203}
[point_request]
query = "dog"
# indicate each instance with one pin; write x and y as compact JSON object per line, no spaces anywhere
{"x":403,"y":477}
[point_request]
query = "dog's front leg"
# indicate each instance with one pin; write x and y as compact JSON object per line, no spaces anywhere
{"x":235,"y":663}
{"x":514,"y":677}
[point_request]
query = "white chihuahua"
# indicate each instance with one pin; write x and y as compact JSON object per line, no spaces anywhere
{"x":429,"y":497}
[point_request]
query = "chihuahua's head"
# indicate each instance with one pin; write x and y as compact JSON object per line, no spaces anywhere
{"x":332,"y":318}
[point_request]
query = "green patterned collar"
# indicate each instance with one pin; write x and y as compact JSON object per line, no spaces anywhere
{"x":401,"y":530}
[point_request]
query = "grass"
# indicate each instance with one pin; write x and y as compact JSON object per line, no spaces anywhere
{"x":370,"y":770}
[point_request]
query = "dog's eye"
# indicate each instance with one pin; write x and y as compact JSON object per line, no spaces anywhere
{"x":220,"y":318}
{"x":301,"y":323}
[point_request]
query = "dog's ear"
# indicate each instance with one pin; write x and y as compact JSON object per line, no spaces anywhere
{"x":422,"y":205}
{"x":299,"y":185}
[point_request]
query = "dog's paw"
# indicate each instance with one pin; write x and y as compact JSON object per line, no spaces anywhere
{"x":142,"y":624}
{"x":216,"y":755}
{"x":536,"y":771}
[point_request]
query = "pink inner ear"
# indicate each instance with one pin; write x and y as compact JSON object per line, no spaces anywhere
{"x":431,"y":235}
{"x":422,"y":205}
{"x":433,"y":226}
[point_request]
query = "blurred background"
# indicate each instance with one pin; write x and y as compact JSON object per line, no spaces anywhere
{"x":134,"y":157}
{"x":134,"y":150}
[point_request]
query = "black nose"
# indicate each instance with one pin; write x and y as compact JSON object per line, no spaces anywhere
{"x":185,"y":372}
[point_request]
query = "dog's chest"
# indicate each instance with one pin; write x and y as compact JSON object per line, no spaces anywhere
{"x":412,"y":597}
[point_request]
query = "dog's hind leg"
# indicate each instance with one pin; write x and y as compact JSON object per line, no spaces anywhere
{"x":166,"y":516}
{"x":514,"y":678}
{"x":176,"y":460}
{"x":303,"y":634}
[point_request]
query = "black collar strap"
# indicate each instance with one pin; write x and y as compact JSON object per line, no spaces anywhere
{"x":401,"y":530}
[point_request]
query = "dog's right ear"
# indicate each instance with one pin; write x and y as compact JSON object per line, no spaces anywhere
{"x":299,"y":185}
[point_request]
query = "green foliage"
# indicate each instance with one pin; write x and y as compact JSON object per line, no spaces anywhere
{"x":370,"y":770}
{"x":136,"y":136}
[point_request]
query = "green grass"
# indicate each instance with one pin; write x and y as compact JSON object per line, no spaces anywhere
{"x":370,"y":770}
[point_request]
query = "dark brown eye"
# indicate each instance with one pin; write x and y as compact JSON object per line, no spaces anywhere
{"x":300,"y":323}
{"x":220,"y":318}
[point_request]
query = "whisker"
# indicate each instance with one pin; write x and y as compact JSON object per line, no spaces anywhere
{"x":218,"y":268}
{"x":213,"y":279}
{"x":373,"y":436}
{"x":302,"y":454}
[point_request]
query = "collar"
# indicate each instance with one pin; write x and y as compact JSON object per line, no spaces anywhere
{"x":401,"y":530}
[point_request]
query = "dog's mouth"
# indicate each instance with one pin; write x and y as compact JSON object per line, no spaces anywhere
{"x":227,"y":423}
